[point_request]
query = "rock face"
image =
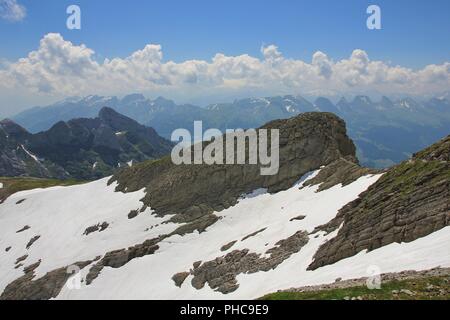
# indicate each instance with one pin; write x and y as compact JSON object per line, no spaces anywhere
{"x":98,"y":227}
{"x":79,"y":148}
{"x":192,"y":192}
{"x":118,"y":258}
{"x":410,"y":201}
{"x":44,"y":288}
{"x":17,"y":160}
{"x":341,"y":171}
{"x":221,"y":272}
{"x":179,"y":278}
{"x":32,"y":241}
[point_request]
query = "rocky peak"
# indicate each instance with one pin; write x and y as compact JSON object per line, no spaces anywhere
{"x":386,"y":102}
{"x":325,"y":105}
{"x":321,"y":101}
{"x":362,"y":100}
{"x":135,"y":97}
{"x":343,"y":104}
{"x":342,"y":101}
{"x":192,"y":192}
{"x":13,"y":129}
{"x":163,"y":102}
{"x":82,"y":148}
{"x":113,"y":118}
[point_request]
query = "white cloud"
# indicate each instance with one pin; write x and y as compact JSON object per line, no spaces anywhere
{"x":60,"y":68}
{"x":11,"y":10}
{"x":324,"y":65}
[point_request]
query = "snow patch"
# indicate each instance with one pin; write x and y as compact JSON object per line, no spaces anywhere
{"x":61,"y":214}
{"x":253,"y":212}
{"x":29,"y":153}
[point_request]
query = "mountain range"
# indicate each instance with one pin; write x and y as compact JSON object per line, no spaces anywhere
{"x":82,"y":148}
{"x":385,"y":132}
{"x":161,"y":231}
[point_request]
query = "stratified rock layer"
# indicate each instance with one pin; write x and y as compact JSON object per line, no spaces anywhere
{"x":192,"y":192}
{"x":221,"y":272}
{"x":410,"y":201}
{"x":44,"y":288}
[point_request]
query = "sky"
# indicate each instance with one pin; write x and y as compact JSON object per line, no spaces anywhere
{"x":210,"y":51}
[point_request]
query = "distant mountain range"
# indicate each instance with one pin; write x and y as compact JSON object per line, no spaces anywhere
{"x":81,"y":148}
{"x":385,"y":131}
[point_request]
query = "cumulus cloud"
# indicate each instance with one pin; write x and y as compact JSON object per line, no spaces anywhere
{"x":11,"y":10}
{"x":324,"y":65}
{"x":61,"y":68}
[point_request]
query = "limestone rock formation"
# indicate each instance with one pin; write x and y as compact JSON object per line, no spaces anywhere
{"x":192,"y":192}
{"x":410,"y":201}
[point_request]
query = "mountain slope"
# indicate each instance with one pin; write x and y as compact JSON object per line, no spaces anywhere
{"x":81,"y":148}
{"x":307,"y":142}
{"x":410,"y":201}
{"x":17,"y":160}
{"x":133,"y":244}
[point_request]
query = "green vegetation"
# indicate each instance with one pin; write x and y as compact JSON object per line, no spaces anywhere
{"x":410,"y":174}
{"x":427,"y":288}
{"x":136,"y":177}
{"x":13,"y":185}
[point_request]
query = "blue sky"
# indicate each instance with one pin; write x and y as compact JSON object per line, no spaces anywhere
{"x":214,"y":51}
{"x":415,"y":33}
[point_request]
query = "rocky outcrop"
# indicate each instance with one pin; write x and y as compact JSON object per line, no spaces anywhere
{"x":98,"y":227}
{"x":32,"y":241}
{"x":118,"y":258}
{"x":23,"y":229}
{"x":44,"y":288}
{"x":253,"y":234}
{"x":191,"y":192}
{"x":133,"y":214}
{"x":220,"y":273}
{"x":179,"y":278}
{"x":409,"y":201}
{"x":228,"y":246}
{"x":21,"y":259}
{"x":342,"y":171}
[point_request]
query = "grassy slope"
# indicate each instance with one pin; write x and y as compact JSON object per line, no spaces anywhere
{"x":13,"y":185}
{"x":427,"y":288}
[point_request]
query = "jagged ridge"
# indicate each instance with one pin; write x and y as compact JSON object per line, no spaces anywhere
{"x":192,"y":192}
{"x":80,"y":148}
